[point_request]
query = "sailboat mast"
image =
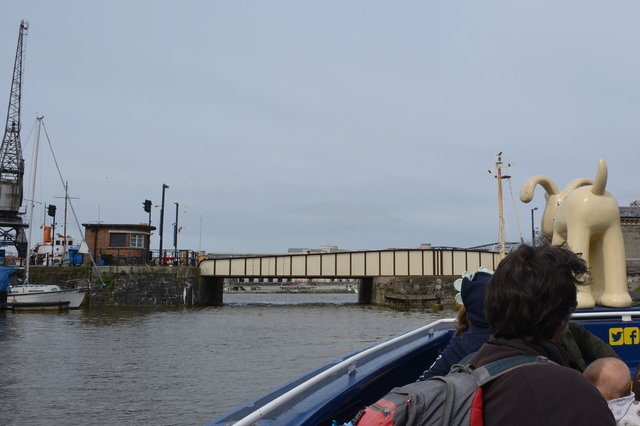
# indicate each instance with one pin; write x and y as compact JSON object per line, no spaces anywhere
{"x":500,"y":208}
{"x":64,"y":239}
{"x":499,"y":177}
{"x":34,"y":168}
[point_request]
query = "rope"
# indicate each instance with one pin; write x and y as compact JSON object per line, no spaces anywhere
{"x":73,"y":210}
{"x":515,"y":211}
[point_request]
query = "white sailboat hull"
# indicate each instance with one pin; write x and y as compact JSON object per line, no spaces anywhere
{"x":37,"y":296}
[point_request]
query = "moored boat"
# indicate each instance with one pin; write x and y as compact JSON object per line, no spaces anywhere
{"x":32,"y":295}
{"x":39,"y":295}
{"x":56,"y":253}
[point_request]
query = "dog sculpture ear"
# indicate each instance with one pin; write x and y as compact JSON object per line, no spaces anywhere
{"x":527,"y":189}
{"x":551,"y":195}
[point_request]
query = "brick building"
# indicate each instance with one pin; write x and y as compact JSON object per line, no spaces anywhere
{"x":119,"y":244}
{"x":630,"y":221}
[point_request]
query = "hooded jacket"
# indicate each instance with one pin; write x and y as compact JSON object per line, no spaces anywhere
{"x":470,"y":341}
{"x":539,"y":394}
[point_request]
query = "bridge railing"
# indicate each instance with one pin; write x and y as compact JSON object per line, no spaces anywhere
{"x":373,"y":263}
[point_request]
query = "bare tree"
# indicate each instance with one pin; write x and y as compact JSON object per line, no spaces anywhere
{"x":542,"y":238}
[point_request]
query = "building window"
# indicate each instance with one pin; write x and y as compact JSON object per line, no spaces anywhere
{"x":117,"y":239}
{"x":137,"y":240}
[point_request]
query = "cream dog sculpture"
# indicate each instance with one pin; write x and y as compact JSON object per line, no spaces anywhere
{"x":587,"y":217}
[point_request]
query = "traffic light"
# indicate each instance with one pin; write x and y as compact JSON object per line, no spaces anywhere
{"x":147,"y":206}
{"x":51,"y":210}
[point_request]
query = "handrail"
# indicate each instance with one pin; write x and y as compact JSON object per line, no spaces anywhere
{"x":602,"y":314}
{"x":267,"y":408}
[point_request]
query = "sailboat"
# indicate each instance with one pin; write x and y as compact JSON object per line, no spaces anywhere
{"x":28,"y":295}
{"x":45,"y":296}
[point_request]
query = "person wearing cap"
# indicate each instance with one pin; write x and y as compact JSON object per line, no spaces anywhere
{"x":471,"y":296}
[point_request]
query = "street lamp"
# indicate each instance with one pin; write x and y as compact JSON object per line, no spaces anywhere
{"x":175,"y":237}
{"x":164,"y":186}
{"x":533,"y":232}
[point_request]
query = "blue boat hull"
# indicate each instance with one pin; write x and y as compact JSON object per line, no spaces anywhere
{"x":337,"y":391}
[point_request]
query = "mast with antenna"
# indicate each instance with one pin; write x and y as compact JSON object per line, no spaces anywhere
{"x":499,"y":176}
{"x":66,"y":204}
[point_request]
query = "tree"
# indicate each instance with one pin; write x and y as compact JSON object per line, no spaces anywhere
{"x":542,"y":238}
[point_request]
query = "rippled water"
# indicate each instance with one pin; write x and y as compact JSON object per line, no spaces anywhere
{"x":107,"y":366}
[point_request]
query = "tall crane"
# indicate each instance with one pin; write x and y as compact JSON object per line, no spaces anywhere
{"x":11,"y":161}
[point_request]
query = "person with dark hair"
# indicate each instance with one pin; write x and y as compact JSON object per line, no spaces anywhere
{"x":472,"y":329}
{"x":528,"y":304}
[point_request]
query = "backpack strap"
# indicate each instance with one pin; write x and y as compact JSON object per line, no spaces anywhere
{"x":467,"y":358}
{"x":495,"y":369}
{"x":485,"y":374}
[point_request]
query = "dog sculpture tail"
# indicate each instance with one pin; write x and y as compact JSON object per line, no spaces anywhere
{"x":601,"y":178}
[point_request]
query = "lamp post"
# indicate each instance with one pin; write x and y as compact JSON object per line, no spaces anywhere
{"x":533,"y":231}
{"x":164,"y":186}
{"x":175,"y":237}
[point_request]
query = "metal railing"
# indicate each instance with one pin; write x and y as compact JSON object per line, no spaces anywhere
{"x":116,"y":257}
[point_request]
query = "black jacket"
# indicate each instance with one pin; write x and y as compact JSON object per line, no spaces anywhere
{"x":539,"y":394}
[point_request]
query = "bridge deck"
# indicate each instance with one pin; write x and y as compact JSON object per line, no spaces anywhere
{"x":370,"y":263}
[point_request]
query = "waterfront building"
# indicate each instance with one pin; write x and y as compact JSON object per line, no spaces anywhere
{"x":119,"y":244}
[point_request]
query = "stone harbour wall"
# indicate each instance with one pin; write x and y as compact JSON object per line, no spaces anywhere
{"x":126,"y":285}
{"x":406,"y":292}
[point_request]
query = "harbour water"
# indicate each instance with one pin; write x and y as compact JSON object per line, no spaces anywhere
{"x":186,"y":366}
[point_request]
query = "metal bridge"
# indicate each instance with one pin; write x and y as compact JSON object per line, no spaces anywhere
{"x":363,"y":265}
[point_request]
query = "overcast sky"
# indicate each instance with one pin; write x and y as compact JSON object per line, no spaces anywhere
{"x":361,"y":124}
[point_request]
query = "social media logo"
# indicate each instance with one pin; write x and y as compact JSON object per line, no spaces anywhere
{"x":616,"y":336}
{"x":631,"y":335}
{"x":624,"y":336}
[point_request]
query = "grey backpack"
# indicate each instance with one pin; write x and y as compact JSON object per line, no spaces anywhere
{"x":454,"y":399}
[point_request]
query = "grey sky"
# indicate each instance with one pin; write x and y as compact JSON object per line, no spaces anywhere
{"x":364,"y":124}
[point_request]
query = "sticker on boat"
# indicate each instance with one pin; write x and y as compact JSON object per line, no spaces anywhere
{"x":624,"y":336}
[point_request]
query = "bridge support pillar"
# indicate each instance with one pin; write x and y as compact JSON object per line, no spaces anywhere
{"x":365,"y":291}
{"x":211,"y":291}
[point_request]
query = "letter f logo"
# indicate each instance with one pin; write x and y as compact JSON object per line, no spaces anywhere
{"x":631,"y":336}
